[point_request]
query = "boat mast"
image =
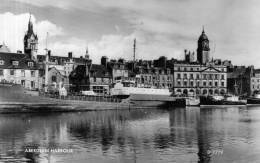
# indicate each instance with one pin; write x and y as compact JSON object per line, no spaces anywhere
{"x":133,"y":67}
{"x":46,"y":64}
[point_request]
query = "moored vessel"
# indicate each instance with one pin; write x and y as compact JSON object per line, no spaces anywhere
{"x":255,"y":100}
{"x":14,"y":98}
{"x":139,"y":96}
{"x":221,"y":100}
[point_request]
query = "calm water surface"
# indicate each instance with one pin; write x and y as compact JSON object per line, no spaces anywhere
{"x":229,"y":134}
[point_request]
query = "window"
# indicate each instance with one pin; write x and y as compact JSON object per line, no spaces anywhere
{"x":198,"y":69}
{"x":191,"y":76}
{"x":15,"y":63}
{"x":198,"y":83}
{"x":32,"y":73}
{"x":2,"y":62}
{"x":95,"y":79}
{"x":204,"y":83}
{"x":185,"y":69}
{"x":216,"y":84}
{"x":11,"y":72}
{"x":191,"y":69}
{"x":178,"y":76}
{"x":54,"y":78}
{"x":23,"y":73}
{"x":185,"y":76}
{"x":32,"y":84}
{"x":1,"y":72}
{"x":205,"y":76}
{"x":210,"y":83}
{"x":210,"y":76}
{"x":222,"y":84}
{"x":30,"y":64}
{"x":23,"y":82}
{"x":185,"y":83}
{"x":222,"y":77}
{"x":191,"y":83}
{"x":198,"y":76}
{"x":216,"y":76}
{"x":179,"y":83}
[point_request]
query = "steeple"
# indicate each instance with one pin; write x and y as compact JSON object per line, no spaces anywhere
{"x":30,"y":41}
{"x":203,"y":48}
{"x":87,"y":54}
{"x":30,"y":25}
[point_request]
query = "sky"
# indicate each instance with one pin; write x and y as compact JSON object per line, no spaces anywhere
{"x":161,"y":27}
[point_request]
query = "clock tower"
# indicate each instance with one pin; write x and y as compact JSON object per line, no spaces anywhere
{"x":30,"y":41}
{"x":203,"y":55}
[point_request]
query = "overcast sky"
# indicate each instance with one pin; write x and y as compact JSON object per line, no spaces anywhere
{"x":161,"y":27}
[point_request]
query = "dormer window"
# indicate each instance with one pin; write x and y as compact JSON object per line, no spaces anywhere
{"x":15,"y":63}
{"x":2,"y":62}
{"x":30,"y":64}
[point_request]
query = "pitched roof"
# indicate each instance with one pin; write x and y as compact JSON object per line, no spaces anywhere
{"x":23,"y":60}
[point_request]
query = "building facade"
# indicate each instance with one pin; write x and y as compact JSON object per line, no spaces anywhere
{"x":19,"y":69}
{"x":255,"y":82}
{"x":155,"y":77}
{"x":200,"y":79}
{"x":100,"y":79}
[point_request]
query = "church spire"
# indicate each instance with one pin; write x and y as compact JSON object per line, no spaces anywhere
{"x":203,"y":29}
{"x":30,"y":25}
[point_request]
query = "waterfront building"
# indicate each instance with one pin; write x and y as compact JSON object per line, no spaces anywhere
{"x":240,"y":80}
{"x":194,"y":78}
{"x":255,"y":82}
{"x":201,"y":77}
{"x":155,"y":77}
{"x":19,"y":69}
{"x":57,"y":79}
{"x":63,"y":64}
{"x":100,"y":79}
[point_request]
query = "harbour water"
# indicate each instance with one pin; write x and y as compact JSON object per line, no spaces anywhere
{"x":226,"y":134}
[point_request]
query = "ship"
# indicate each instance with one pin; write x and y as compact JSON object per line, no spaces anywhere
{"x":254,"y":100}
{"x":221,"y":100}
{"x":14,"y":98}
{"x":142,"y":96}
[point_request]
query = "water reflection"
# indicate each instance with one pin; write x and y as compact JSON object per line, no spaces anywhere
{"x":179,"y":135}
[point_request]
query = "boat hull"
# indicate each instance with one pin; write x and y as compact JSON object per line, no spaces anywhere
{"x":253,"y":101}
{"x":150,"y":100}
{"x":211,"y":101}
{"x":14,"y":99}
